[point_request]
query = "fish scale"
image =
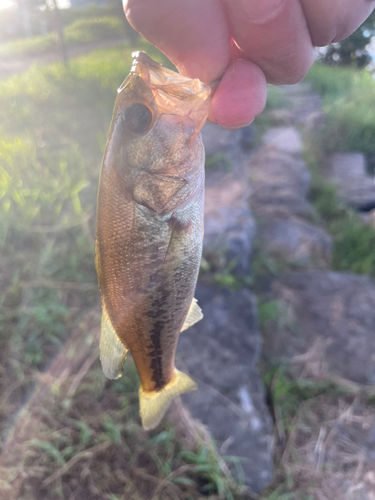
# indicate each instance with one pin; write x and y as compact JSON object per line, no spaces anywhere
{"x":149,"y":228}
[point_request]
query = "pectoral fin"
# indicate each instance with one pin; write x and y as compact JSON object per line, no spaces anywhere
{"x":112,"y":350}
{"x":193,"y":316}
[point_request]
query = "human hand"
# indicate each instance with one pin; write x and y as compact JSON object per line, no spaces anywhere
{"x":247,"y":42}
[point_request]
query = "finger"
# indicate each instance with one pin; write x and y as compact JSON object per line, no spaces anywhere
{"x":274,"y":35}
{"x":240,"y":96}
{"x":331,"y":21}
{"x":193,"y":34}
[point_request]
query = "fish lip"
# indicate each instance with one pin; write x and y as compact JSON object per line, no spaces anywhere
{"x":174,"y":94}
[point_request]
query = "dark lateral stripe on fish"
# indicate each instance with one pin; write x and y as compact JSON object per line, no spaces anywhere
{"x":157,"y":305}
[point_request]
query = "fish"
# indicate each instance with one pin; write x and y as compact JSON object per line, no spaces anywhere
{"x":150,"y":229}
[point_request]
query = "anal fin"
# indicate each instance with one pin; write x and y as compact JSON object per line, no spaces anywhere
{"x":112,"y":351}
{"x":193,"y":316}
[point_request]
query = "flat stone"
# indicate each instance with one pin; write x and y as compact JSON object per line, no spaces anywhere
{"x":355,"y":187}
{"x":229,"y":225}
{"x":328,"y":323}
{"x":217,"y":139}
{"x":295,"y":240}
{"x":306,"y":106}
{"x":281,"y":116}
{"x":279,"y":184}
{"x":221,"y":353}
{"x":248,"y":136}
{"x":286,"y":139}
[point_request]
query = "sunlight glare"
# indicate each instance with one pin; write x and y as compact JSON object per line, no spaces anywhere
{"x":5,"y":4}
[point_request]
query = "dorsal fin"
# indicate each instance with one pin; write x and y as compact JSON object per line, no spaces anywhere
{"x":112,"y":350}
{"x":193,"y":316}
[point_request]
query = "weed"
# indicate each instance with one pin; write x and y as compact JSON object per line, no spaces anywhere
{"x":79,"y":32}
{"x":49,"y":449}
{"x":54,"y":124}
{"x":349,"y":98}
{"x":86,"y":432}
{"x":112,"y":429}
{"x":353,"y":240}
{"x":276,"y":98}
{"x":278,"y":495}
{"x":265,"y":264}
{"x":218,"y":160}
{"x":227,"y":278}
{"x":332,"y":82}
{"x":206,"y":465}
{"x":269,"y":311}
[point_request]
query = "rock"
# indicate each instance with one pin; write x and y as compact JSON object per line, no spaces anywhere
{"x":279,"y":184}
{"x":286,"y":139}
{"x":306,"y":106}
{"x":280,"y":181}
{"x":221,"y":353}
{"x":229,"y":226}
{"x":217,"y":139}
{"x":280,"y":116}
{"x":327,"y":324}
{"x":355,"y":187}
{"x":368,"y":217}
{"x":248,"y":136}
{"x":295,"y":240}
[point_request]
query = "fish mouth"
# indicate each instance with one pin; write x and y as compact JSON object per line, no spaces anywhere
{"x":174,"y":94}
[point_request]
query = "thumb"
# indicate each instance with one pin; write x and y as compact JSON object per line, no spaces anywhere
{"x":193,"y":34}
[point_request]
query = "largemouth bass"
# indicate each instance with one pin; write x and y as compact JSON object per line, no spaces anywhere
{"x":150,"y":228}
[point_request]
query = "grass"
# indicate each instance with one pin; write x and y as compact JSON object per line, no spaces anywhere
{"x":218,"y":161}
{"x":349,"y":100}
{"x":54,"y":124}
{"x":91,"y":445}
{"x":353,"y":239}
{"x":310,"y":414}
{"x":312,"y":419}
{"x":88,"y":444}
{"x":77,"y":33}
{"x":54,"y":130}
{"x":275,"y":98}
{"x":269,"y":311}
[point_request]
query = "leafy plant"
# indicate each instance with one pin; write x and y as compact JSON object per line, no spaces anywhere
{"x":353,"y":239}
{"x":349,"y":97}
{"x":79,"y":32}
{"x":207,"y":466}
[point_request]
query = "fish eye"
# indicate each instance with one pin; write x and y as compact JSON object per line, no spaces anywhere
{"x":138,"y":118}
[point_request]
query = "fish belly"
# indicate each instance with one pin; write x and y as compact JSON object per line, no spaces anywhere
{"x":148,"y":267}
{"x":148,"y":274}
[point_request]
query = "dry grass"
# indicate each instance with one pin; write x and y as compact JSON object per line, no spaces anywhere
{"x":324,"y":453}
{"x":79,"y":436}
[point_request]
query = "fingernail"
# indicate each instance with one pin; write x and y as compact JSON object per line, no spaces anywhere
{"x":236,"y":127}
{"x":261,"y":12}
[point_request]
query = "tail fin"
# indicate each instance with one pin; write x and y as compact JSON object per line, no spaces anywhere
{"x":154,"y":404}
